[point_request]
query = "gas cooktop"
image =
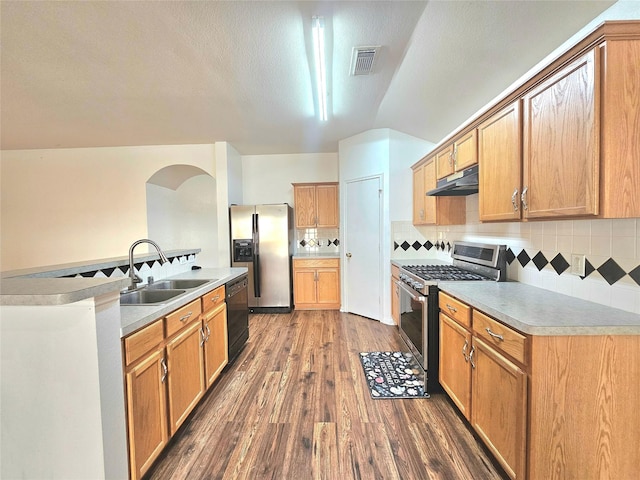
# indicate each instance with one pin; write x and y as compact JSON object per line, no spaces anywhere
{"x":443,"y":273}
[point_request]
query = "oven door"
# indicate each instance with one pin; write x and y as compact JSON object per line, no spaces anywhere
{"x":413,"y":325}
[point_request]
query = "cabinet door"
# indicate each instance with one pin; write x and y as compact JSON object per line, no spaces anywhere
{"x":561,"y":143}
{"x":466,"y":151}
{"x":216,"y":349}
{"x":444,"y":162}
{"x":430,"y":203}
{"x":146,"y":412}
{"x":419,"y":196}
{"x":304,"y":286}
{"x":395,"y":301}
{"x":500,"y":159}
{"x":328,"y":287}
{"x":455,"y":370}
{"x":327,"y":206}
{"x":186,"y":373}
{"x":499,"y":402}
{"x":305,"y":205}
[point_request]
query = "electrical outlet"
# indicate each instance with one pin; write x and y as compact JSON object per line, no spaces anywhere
{"x":577,"y":264}
{"x":183,"y":260}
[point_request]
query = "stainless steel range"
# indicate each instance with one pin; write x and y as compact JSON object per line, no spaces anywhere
{"x":419,"y":326}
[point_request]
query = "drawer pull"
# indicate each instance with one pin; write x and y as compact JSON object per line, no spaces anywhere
{"x":494,"y":335}
{"x":451,"y":309}
{"x":464,"y":350}
{"x":216,"y":298}
{"x":185,"y":317}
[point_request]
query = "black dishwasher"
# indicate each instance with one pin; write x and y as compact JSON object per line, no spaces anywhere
{"x":237,"y":315}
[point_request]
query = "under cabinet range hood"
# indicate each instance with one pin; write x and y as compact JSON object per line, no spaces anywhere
{"x":456,"y":185}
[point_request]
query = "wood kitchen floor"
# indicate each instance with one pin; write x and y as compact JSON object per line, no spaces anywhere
{"x":295,"y":405}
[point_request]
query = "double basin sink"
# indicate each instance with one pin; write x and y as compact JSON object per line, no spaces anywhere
{"x":159,"y":292}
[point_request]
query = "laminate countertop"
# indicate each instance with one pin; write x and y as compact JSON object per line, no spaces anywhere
{"x":317,"y":255}
{"x":536,"y":311}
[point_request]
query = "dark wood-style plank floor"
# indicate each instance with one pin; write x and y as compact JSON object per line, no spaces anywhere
{"x":295,"y":405}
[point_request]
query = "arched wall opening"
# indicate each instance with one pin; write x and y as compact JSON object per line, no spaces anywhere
{"x":182,"y":211}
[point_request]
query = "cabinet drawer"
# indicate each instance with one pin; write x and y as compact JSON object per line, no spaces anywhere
{"x":499,"y":335}
{"x":182,"y":317}
{"x":213,"y":299}
{"x":455,"y":309}
{"x":143,"y":341}
{"x":316,"y":262}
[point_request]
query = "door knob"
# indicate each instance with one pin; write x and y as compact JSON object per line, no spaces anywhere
{"x":348,"y":255}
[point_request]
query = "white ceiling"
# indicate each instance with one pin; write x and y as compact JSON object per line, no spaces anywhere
{"x":87,"y":74}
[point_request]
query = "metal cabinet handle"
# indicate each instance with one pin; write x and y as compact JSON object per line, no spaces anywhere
{"x":455,"y":157}
{"x":464,"y":350}
{"x":451,"y":309}
{"x":208,"y":333}
{"x":202,"y":337}
{"x":523,"y":198}
{"x":514,"y":200}
{"x":494,"y":335}
{"x":473,"y":350}
{"x":451,"y":158}
{"x":216,"y":298}
{"x":185,"y":317}
{"x":165,"y":370}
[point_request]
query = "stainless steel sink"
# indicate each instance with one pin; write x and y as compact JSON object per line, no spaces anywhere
{"x":147,"y":296}
{"x":176,"y":284}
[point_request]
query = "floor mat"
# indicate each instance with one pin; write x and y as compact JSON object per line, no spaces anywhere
{"x":393,"y":375}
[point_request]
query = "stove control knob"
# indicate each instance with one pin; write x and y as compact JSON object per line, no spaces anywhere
{"x":418,"y":285}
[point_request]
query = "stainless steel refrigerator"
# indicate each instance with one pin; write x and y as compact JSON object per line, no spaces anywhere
{"x":262,"y":241}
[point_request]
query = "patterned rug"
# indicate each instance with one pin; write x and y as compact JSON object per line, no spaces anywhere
{"x":393,"y":375}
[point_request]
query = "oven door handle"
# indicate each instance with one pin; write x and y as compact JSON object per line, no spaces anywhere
{"x":412,"y":293}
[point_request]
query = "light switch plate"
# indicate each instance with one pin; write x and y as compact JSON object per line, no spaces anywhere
{"x":578,"y":264}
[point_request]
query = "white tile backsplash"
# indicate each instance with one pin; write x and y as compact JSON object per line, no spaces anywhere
{"x":599,"y":240}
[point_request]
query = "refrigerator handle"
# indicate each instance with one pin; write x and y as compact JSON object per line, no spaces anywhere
{"x":256,"y":255}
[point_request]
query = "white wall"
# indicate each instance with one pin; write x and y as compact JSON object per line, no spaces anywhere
{"x":389,"y":154}
{"x":268,"y":178}
{"x":404,"y":151}
{"x":229,"y":177}
{"x":67,"y":205}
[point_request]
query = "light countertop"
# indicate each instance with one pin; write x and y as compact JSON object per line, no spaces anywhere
{"x":536,"y":311}
{"x":317,"y":255}
{"x":133,"y":317}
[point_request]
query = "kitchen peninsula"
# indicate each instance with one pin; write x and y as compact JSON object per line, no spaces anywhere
{"x":63,"y":407}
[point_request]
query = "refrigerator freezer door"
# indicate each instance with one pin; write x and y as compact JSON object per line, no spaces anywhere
{"x":275,"y":236}
{"x":241,"y":217}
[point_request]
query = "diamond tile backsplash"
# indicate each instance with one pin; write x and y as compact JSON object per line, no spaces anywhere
{"x":539,"y":253}
{"x":317,"y":240}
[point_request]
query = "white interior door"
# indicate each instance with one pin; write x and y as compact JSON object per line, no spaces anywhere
{"x":363,"y":240}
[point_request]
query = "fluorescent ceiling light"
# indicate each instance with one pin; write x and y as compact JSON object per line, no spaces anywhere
{"x":317,"y":27}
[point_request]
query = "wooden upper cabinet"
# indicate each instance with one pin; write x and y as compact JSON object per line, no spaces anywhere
{"x":434,"y":210}
{"x":327,"y":205}
{"x":620,"y":128}
{"x":462,"y":153}
{"x":500,"y":165}
{"x":316,"y":205}
{"x":561,"y":142}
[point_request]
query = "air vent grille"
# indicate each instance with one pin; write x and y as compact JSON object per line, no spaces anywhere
{"x":363,"y":59}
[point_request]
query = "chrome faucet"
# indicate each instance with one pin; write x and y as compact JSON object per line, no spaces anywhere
{"x":135,"y":279}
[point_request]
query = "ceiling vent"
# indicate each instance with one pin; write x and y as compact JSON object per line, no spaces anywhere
{"x":363,"y":60}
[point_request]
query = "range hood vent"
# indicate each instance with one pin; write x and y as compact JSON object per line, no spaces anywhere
{"x":457,"y":185}
{"x":363,"y":60}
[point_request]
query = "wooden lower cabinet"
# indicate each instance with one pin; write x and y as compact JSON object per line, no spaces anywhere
{"x":170,"y":364}
{"x":455,"y":369}
{"x":395,"y":294}
{"x":316,"y":284}
{"x":547,"y":407}
{"x":499,"y":407}
{"x":146,"y":411}
{"x":185,"y":382}
{"x":216,"y":351}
